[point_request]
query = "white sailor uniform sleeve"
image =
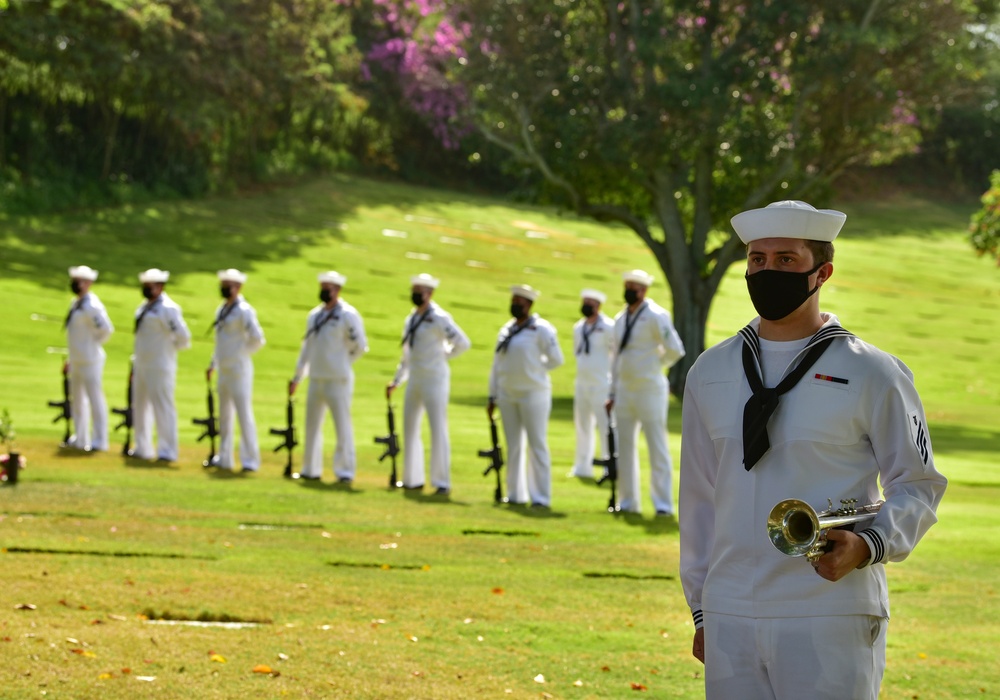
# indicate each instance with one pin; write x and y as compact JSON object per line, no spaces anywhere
{"x":102,"y":326}
{"x":699,"y":467}
{"x":254,"y":332}
{"x":911,"y":484}
{"x":671,"y":348}
{"x":493,"y":367}
{"x":356,"y":341}
{"x":617,"y":332}
{"x":403,"y":368}
{"x":179,"y":333}
{"x":456,"y":341}
{"x":548,"y":343}
{"x":302,"y":365}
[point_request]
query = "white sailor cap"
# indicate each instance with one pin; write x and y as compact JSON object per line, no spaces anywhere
{"x":424,"y":280}
{"x":638,"y":276}
{"x":525,"y":292}
{"x":232,"y":275}
{"x":82,"y":272}
{"x":788,"y":219}
{"x":332,"y":277}
{"x":593,"y":294}
{"x":153,"y":275}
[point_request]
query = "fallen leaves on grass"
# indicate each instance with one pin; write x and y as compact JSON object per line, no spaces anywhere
{"x":261,"y":668}
{"x":84,"y":652}
{"x":497,"y":591}
{"x":218,"y":658}
{"x":639,"y":686}
{"x":539,"y":678}
{"x":25,"y":606}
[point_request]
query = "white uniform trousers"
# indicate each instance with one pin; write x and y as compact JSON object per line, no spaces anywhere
{"x":527,"y":416}
{"x":88,"y":406}
{"x":236,"y":399}
{"x":790,"y":658}
{"x":430,"y":393}
{"x":588,"y":413}
{"x":153,"y":399}
{"x":336,"y":395}
{"x":646,"y":409}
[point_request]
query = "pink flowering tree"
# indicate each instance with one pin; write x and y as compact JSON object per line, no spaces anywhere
{"x":670,"y":117}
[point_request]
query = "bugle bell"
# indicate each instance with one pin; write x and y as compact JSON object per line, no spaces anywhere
{"x":796,"y":529}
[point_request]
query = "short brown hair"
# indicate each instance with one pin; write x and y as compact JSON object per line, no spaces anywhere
{"x":822,"y":251}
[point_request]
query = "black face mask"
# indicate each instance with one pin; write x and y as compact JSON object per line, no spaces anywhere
{"x":417,"y":298}
{"x":147,"y":292}
{"x":75,"y":286}
{"x":226,"y":291}
{"x":776,"y":293}
{"x":587,"y":310}
{"x":518,"y":312}
{"x":631,"y":296}
{"x":324,"y":295}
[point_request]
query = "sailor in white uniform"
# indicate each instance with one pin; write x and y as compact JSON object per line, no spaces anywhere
{"x":646,"y":344}
{"x":594,"y":349}
{"x":88,"y":328}
{"x":527,"y":350}
{"x":795,"y":406}
{"x":431,"y":338}
{"x":334,"y":340}
{"x":160,"y":332}
{"x":238,"y":336}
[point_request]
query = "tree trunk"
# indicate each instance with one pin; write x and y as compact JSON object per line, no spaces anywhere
{"x":690,"y":316}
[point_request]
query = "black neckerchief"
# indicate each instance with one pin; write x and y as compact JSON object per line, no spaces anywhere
{"x":330,"y":315}
{"x":149,"y":307}
{"x":629,"y":326}
{"x":585,"y":345}
{"x":415,"y":322}
{"x":223,"y":313}
{"x":761,"y":405}
{"x":77,"y":305}
{"x":502,"y":345}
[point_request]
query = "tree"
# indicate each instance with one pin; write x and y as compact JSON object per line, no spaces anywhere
{"x":985,"y":225}
{"x":670,"y":118}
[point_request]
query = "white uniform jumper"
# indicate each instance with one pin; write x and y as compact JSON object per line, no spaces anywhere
{"x":87,"y":329}
{"x":594,"y":348}
{"x":238,"y":335}
{"x":430,"y":339}
{"x":522,"y":389}
{"x":853,"y":421}
{"x":639,"y":389}
{"x":160,"y":332}
{"x":334,"y":340}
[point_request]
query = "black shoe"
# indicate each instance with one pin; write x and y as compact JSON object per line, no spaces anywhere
{"x":663,"y":514}
{"x":343,"y":479}
{"x":442,"y":491}
{"x":413,"y":488}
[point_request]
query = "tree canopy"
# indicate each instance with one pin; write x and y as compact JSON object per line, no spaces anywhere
{"x":671,"y":117}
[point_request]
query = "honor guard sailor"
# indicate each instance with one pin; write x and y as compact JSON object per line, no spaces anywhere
{"x":238,"y":336}
{"x":88,"y":328}
{"x":527,"y":350}
{"x":431,"y":339}
{"x":795,"y":406}
{"x":594,"y":349}
{"x":334,"y":340}
{"x":646,"y":344}
{"x":160,"y":332}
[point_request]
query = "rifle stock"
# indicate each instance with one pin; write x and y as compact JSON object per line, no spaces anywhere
{"x":126,"y":414}
{"x":211,"y":429}
{"x":288,"y":436}
{"x":495,"y":455}
{"x":391,"y":442}
{"x":65,"y":409}
{"x":610,"y":467}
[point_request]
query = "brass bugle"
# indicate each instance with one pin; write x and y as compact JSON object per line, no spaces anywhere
{"x":796,"y":529}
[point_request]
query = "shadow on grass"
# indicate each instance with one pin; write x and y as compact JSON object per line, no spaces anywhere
{"x":531,"y":511}
{"x":73,"y":452}
{"x":149,"y":463}
{"x":418,"y":496}
{"x":657,"y":525}
{"x":318,"y":485}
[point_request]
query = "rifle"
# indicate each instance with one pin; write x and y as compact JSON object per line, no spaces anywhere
{"x":64,"y":407}
{"x":211,"y":429}
{"x":391,"y":442}
{"x":495,"y":455}
{"x":610,"y":466}
{"x":288,"y":433}
{"x":126,"y":414}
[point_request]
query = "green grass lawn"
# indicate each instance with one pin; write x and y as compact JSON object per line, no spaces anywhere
{"x":373,"y":593}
